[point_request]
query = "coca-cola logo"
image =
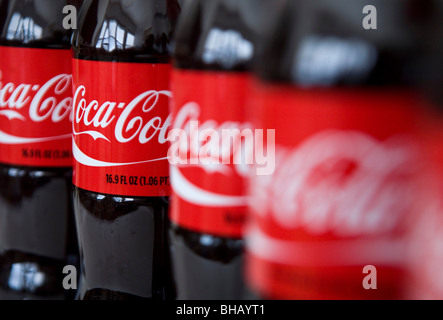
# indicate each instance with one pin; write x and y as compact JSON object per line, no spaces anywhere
{"x":36,"y":103}
{"x":137,"y":121}
{"x":212,"y":146}
{"x":342,"y":182}
{"x":229,"y":148}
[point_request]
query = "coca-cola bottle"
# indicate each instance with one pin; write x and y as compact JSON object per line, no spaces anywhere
{"x":214,"y":48}
{"x":426,"y":240}
{"x":37,"y":230}
{"x":336,"y":83}
{"x":121,"y":71}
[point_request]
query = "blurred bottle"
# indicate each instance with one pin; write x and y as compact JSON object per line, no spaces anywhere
{"x":426,"y":241}
{"x":121,"y":174}
{"x":37,"y":230}
{"x":215,"y":45}
{"x":331,"y":221}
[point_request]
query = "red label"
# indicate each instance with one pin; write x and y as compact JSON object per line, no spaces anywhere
{"x":426,"y":239}
{"x":209,"y":193}
{"x":341,"y":194}
{"x":35,"y":107}
{"x":121,"y":122}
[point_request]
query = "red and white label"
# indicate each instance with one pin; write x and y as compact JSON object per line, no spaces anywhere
{"x":35,"y":107}
{"x":120,"y":126}
{"x":210,"y":196}
{"x":426,"y":238}
{"x":341,"y":194}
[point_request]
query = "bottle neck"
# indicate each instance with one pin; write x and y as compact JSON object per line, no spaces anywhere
{"x":139,"y":32}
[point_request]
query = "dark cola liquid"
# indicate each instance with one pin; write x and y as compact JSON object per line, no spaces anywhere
{"x":37,"y":230}
{"x":123,"y":240}
{"x":207,"y":266}
{"x":123,"y":245}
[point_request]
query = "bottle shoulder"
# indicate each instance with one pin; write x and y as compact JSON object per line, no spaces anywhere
{"x":33,"y":23}
{"x":219,"y":35}
{"x":326,"y":44}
